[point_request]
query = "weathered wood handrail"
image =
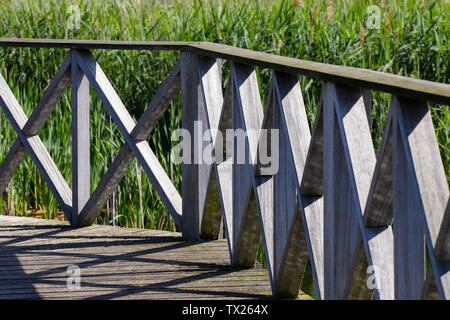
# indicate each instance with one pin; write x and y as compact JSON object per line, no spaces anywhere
{"x":330,"y":200}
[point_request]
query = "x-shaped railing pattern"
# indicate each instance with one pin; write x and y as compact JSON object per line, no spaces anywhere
{"x":81,"y":67}
{"x":332,"y":200}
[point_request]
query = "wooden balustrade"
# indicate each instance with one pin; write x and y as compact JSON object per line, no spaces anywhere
{"x":365,"y":221}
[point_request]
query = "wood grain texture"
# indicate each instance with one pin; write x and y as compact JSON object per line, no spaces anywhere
{"x":247,"y":115}
{"x":81,"y":160}
{"x":427,"y":190}
{"x":141,"y":149}
{"x":378,"y":212}
{"x":139,"y":264}
{"x":36,"y":149}
{"x":118,"y":168}
{"x":36,"y":121}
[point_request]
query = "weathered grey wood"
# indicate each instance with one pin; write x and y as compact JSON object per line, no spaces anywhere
{"x":36,"y":149}
{"x":399,"y":85}
{"x":49,"y":99}
{"x":380,"y":255}
{"x":160,"y":102}
{"x":378,"y":212}
{"x":247,"y":115}
{"x":312,"y":179}
{"x":147,"y":159}
{"x":195,"y":173}
{"x":149,"y":265}
{"x":409,"y":255}
{"x":146,"y":123}
{"x":427,"y":184}
{"x":11,"y":163}
{"x":347,"y":174}
{"x":81,"y":159}
{"x":304,"y":236}
{"x":209,"y":73}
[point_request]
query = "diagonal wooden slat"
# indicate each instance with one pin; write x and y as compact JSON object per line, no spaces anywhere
{"x":123,"y":160}
{"x":36,"y":149}
{"x":311,"y":184}
{"x":125,"y":156}
{"x":427,"y":194}
{"x":141,"y":149}
{"x":409,"y":254}
{"x":378,"y":212}
{"x":305,"y":236}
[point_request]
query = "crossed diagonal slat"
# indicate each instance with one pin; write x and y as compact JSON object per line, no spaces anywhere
{"x":83,"y":69}
{"x":253,"y":196}
{"x":29,"y":142}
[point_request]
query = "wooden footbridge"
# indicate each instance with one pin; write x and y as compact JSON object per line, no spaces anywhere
{"x":371,"y":226}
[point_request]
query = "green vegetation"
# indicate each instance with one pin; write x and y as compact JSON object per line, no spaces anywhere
{"x":412,"y":40}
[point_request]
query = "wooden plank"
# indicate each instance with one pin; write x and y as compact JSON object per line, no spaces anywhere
{"x":443,"y":253}
{"x":160,"y":102}
{"x":157,"y":268}
{"x":195,"y":173}
{"x":147,"y":159}
{"x":11,"y":163}
{"x":36,"y":149}
{"x":106,"y":186}
{"x":347,"y":174}
{"x":35,"y":122}
{"x":81,"y":159}
{"x":399,"y":85}
{"x":378,"y":212}
{"x":143,"y":128}
{"x":209,"y":73}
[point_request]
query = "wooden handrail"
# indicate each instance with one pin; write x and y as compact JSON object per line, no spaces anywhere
{"x":398,"y":85}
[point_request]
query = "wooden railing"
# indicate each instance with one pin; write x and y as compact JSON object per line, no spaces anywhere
{"x":366,"y":222}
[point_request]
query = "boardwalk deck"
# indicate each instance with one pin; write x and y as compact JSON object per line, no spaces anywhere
{"x":118,"y":263}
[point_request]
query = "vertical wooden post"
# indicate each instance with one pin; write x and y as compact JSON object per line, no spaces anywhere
{"x":80,"y":140}
{"x":195,"y":175}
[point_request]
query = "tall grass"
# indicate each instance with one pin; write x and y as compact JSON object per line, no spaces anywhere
{"x":412,"y":40}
